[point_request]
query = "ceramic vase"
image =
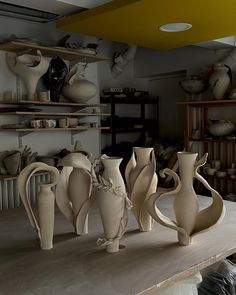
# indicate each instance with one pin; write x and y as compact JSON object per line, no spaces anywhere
{"x":113,"y":204}
{"x":55,"y":77}
{"x":219,"y":81}
{"x":30,"y":69}
{"x":74,"y":191}
{"x":45,"y":200}
{"x":77,"y":88}
{"x":189,"y":220}
{"x":141,"y":179}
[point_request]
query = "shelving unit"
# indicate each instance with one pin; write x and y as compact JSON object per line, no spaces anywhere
{"x":218,"y":148}
{"x":141,"y":128}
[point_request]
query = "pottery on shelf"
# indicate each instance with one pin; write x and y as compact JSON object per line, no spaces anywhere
{"x":141,"y":179}
{"x":55,"y":77}
{"x":194,"y":85}
{"x":77,"y":88}
{"x":45,"y":200}
{"x":219,"y":80}
{"x":74,"y":191}
{"x":12,"y":162}
{"x":221,"y":127}
{"x":114,"y":206}
{"x":190,"y":221}
{"x":30,"y":69}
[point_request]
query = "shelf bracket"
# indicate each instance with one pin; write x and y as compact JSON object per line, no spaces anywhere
{"x":22,"y":134}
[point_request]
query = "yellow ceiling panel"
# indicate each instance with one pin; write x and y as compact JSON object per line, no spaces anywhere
{"x":137,"y":21}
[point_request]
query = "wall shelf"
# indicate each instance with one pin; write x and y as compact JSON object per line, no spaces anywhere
{"x":54,"y":114}
{"x":64,"y":53}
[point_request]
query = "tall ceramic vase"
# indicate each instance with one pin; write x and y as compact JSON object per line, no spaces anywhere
{"x":141,"y":182}
{"x":30,"y":69}
{"x":45,"y":200}
{"x":113,"y":203}
{"x":219,"y":81}
{"x":74,"y":190}
{"x":189,"y":220}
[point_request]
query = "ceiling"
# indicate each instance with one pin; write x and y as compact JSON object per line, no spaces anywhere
{"x":137,"y":21}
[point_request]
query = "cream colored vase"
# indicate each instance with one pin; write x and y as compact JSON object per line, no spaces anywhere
{"x":45,"y":200}
{"x":219,"y":81}
{"x":74,"y":190}
{"x":30,"y":69}
{"x":141,"y":179}
{"x":114,"y":206}
{"x":189,"y":220}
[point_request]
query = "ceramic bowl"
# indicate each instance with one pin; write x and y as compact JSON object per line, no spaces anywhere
{"x":211,"y":171}
{"x":221,"y":128}
{"x":194,"y":85}
{"x":221,"y":173}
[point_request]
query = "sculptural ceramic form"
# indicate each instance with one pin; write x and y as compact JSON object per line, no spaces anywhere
{"x":189,"y":220}
{"x":219,"y":80}
{"x":30,"y":69}
{"x":55,"y":77}
{"x":113,"y":203}
{"x":45,"y":200}
{"x":74,"y":191}
{"x":141,"y":179}
{"x":77,"y":88}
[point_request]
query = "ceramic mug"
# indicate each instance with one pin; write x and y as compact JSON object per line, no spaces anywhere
{"x":36,"y":123}
{"x":216,"y":164}
{"x":49,"y":123}
{"x":63,"y":123}
{"x":44,"y":95}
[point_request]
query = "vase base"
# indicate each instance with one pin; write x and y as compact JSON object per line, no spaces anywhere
{"x":114,"y":247}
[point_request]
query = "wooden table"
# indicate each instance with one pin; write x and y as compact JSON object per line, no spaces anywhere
{"x":147,"y":261}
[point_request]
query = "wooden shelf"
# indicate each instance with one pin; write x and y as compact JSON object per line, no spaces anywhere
{"x":64,"y":53}
{"x":219,"y":178}
{"x":130,"y":100}
{"x":209,"y":103}
{"x":79,"y":128}
{"x":54,"y":114}
{"x":213,"y":140}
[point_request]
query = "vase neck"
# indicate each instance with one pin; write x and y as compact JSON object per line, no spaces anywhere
{"x":186,"y":166}
{"x":143,"y":155}
{"x":111,"y":163}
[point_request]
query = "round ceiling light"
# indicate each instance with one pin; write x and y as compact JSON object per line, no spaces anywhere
{"x":175,"y":27}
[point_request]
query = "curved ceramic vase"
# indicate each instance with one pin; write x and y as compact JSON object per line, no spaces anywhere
{"x":45,"y":200}
{"x":25,"y":67}
{"x":189,"y":220}
{"x":55,"y":77}
{"x":73,"y":192}
{"x":141,"y":179}
{"x":219,"y":81}
{"x":114,"y":206}
{"x":77,"y":88}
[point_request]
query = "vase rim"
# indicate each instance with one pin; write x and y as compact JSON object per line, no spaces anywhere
{"x":142,"y":147}
{"x":186,"y":153}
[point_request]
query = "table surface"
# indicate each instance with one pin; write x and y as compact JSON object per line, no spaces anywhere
{"x":146,"y":261}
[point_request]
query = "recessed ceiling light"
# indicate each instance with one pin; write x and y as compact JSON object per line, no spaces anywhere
{"x":175,"y":27}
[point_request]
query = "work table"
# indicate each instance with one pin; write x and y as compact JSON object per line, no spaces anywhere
{"x":146,"y":262}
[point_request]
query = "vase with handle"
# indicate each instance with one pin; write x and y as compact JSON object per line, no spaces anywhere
{"x":141,"y":179}
{"x":45,"y":200}
{"x":74,"y":191}
{"x":114,"y":206}
{"x":189,"y":219}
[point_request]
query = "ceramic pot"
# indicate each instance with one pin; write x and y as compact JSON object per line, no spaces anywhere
{"x":113,"y":203}
{"x":12,"y":163}
{"x":25,"y":67}
{"x":194,"y":85}
{"x":45,"y":200}
{"x":74,"y":190}
{"x":55,"y":77}
{"x":189,"y":220}
{"x":141,"y":181}
{"x":77,"y":88}
{"x":219,"y":81}
{"x":221,"y":128}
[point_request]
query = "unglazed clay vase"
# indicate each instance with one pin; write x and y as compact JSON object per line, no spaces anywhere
{"x":74,"y":190}
{"x":189,"y":220}
{"x":45,"y":200}
{"x":219,"y":81}
{"x":55,"y":77}
{"x":114,"y":206}
{"x":30,"y":69}
{"x":141,"y":179}
{"x":77,"y":88}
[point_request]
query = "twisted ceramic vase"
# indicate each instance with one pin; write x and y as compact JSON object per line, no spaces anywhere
{"x":141,"y":180}
{"x":45,"y":200}
{"x":73,"y":192}
{"x":189,"y":220}
{"x":114,"y":206}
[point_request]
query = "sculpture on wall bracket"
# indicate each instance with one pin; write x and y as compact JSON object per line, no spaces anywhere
{"x":74,"y":190}
{"x":45,"y":200}
{"x":30,"y":69}
{"x":189,"y":220}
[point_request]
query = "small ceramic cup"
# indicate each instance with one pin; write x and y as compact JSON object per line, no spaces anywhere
{"x":50,"y":123}
{"x":63,"y":123}
{"x":36,"y":123}
{"x":220,"y":173}
{"x":216,"y":164}
{"x":44,"y":95}
{"x":211,"y":171}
